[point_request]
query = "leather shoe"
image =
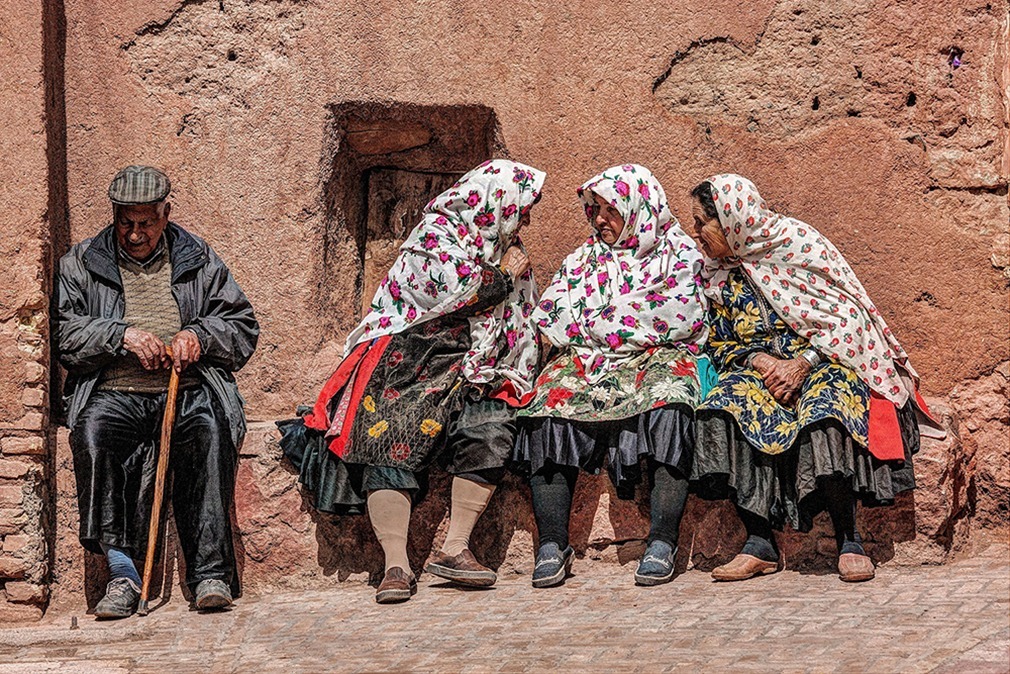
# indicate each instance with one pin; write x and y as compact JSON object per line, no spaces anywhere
{"x":396,"y":586}
{"x":743,"y":567}
{"x":855,"y":568}
{"x":462,"y":568}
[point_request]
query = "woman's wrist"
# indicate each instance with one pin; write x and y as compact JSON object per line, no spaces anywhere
{"x":812,"y":357}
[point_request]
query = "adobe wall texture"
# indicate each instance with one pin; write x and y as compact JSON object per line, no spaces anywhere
{"x":883,"y":123}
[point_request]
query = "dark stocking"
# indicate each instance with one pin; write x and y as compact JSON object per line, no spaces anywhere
{"x":667,"y":499}
{"x":760,"y":539}
{"x":841,"y":506}
{"x":552,"y":488}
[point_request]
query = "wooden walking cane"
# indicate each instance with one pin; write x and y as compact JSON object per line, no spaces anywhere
{"x":167,"y":421}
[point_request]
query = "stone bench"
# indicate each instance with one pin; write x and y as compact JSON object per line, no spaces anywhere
{"x":283,"y":543}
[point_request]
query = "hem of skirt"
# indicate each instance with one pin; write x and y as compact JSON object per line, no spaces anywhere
{"x":795,"y":436}
{"x":685,"y":405}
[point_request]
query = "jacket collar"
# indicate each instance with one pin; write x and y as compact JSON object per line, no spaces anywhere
{"x":185,"y":253}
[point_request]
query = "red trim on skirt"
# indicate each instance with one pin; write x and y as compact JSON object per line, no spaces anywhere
{"x":357,"y":369}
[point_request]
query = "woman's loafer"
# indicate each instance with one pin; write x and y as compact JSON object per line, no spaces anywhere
{"x":743,"y":567}
{"x":552,"y":565}
{"x":463,"y":569}
{"x":396,"y":586}
{"x":657,"y":565}
{"x":855,"y":568}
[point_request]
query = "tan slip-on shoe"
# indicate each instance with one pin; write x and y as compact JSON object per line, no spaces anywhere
{"x":743,"y":567}
{"x":463,"y":569}
{"x":855,"y":568}
{"x":396,"y":586}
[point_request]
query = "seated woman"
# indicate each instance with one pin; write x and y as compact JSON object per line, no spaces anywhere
{"x":432,"y":372}
{"x":626,"y":312}
{"x":816,"y":402}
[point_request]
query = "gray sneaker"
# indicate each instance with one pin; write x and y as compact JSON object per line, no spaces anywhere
{"x":120,"y":600}
{"x":212,"y":594}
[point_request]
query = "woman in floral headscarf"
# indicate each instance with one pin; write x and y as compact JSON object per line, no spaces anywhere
{"x":625,"y":313}
{"x":816,"y":402}
{"x":432,"y":372}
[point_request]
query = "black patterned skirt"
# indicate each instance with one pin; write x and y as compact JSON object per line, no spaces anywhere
{"x":664,"y":435}
{"x":783,"y":488}
{"x":476,"y":446}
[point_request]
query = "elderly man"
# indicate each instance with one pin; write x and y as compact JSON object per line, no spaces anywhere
{"x":139,"y":286}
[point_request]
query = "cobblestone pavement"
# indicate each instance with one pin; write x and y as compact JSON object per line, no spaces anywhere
{"x":923,"y":619}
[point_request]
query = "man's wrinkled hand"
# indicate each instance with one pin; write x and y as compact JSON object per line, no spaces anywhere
{"x":150,"y":350}
{"x":185,"y":350}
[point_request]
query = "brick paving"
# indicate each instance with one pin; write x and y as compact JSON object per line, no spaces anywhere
{"x":947,"y":619}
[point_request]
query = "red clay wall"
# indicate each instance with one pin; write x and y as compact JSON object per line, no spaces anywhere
{"x":847,"y":114}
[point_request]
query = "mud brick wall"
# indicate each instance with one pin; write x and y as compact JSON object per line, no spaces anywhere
{"x":882,"y":122}
{"x":33,"y":206}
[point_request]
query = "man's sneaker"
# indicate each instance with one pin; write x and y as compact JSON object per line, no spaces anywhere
{"x":397,"y":585}
{"x":212,"y":594}
{"x":120,"y":600}
{"x":657,"y":565}
{"x":463,"y":569}
{"x":552,"y":565}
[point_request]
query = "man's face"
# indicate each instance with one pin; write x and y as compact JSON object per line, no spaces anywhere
{"x":139,"y":228}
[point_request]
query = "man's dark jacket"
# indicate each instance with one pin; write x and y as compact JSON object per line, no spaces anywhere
{"x":90,"y":308}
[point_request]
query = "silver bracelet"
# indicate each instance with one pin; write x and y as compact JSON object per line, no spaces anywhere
{"x":812,"y":357}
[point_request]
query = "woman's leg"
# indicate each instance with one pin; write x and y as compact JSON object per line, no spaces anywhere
{"x":389,"y":512}
{"x":469,"y":499}
{"x":758,"y":557}
{"x":760,"y":539}
{"x":667,"y":500}
{"x":853,"y":563}
{"x":841,"y":506}
{"x":552,"y":488}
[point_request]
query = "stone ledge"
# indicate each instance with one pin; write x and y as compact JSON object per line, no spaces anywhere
{"x":282,"y":542}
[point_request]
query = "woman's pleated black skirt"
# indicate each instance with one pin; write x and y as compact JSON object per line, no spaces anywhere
{"x":783,"y":488}
{"x":664,"y":435}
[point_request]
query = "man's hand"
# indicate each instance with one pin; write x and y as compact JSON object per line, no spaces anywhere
{"x":185,"y":349}
{"x":148,"y":348}
{"x":514,"y":262}
{"x":784,"y":378}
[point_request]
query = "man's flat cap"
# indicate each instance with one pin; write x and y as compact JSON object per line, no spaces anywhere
{"x":136,"y":185}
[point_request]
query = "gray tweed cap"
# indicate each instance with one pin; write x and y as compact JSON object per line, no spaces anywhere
{"x":135,"y":185}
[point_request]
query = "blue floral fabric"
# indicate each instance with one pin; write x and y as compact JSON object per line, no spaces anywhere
{"x":744,"y":323}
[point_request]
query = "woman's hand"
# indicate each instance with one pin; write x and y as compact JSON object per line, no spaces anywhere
{"x":514,"y":262}
{"x":784,"y":378}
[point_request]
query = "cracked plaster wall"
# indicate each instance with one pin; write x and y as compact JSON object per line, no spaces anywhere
{"x":232,"y":98}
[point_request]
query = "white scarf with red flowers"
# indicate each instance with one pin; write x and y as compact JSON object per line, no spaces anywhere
{"x":438,"y":272}
{"x":611,"y":302}
{"x":809,"y":284}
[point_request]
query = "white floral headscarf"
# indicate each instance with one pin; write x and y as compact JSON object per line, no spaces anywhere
{"x":809,"y":284}
{"x":611,"y":302}
{"x":438,"y":272}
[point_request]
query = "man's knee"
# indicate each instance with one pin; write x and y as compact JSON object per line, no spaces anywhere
{"x":87,"y":441}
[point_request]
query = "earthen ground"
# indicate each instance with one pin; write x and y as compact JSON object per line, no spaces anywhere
{"x":951,"y":619}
